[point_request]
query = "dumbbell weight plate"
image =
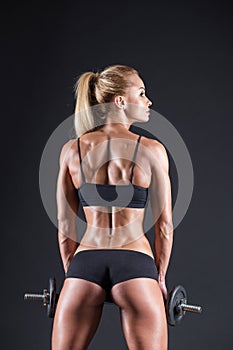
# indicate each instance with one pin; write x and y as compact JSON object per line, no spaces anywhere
{"x":52,"y":298}
{"x":177,"y":296}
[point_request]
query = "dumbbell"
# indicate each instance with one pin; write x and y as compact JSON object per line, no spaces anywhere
{"x":176,"y":304}
{"x":49,"y":297}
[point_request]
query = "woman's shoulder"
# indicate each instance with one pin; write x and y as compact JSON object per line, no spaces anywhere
{"x":155,"y":152}
{"x":68,"y":149}
{"x":152,"y":144}
{"x":69,"y":145}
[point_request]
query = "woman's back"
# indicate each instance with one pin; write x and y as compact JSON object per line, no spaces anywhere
{"x":112,"y":176}
{"x":107,"y":158}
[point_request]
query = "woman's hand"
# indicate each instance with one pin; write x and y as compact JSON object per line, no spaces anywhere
{"x":162,"y":285}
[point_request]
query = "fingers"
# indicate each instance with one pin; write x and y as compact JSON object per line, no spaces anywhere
{"x":163,"y":288}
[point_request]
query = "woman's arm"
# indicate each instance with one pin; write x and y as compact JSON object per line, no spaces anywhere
{"x":67,"y":208}
{"x":161,"y":202}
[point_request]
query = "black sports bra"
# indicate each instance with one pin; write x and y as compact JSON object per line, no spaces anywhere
{"x":128,"y":196}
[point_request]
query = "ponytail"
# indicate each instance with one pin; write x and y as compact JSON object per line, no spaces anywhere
{"x":85,"y":99}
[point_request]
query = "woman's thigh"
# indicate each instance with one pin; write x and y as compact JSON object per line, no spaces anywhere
{"x":142,"y":312}
{"x":78,"y":313}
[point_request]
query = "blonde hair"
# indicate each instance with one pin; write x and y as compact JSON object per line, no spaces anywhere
{"x":93,"y":89}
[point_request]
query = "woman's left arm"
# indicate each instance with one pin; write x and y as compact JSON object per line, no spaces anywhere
{"x":67,"y":209}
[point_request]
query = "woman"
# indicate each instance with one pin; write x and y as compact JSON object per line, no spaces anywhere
{"x":109,"y":170}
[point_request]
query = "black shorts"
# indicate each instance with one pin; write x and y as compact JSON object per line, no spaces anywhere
{"x":107,"y":267}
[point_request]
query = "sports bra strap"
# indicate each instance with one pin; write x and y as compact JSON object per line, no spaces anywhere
{"x":134,"y":158}
{"x":80,"y":160}
{"x":133,"y":161}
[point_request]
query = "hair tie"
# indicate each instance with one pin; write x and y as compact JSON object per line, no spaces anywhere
{"x":96,"y":77}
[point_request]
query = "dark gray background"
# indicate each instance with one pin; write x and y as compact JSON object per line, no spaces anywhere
{"x":183,"y":51}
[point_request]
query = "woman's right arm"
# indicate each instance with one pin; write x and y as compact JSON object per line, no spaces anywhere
{"x":161,"y":203}
{"x":67,"y":208}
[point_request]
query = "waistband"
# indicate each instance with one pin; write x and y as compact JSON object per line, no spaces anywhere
{"x":114,"y":250}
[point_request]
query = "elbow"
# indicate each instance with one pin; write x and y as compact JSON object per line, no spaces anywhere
{"x":165,"y":229}
{"x":63,"y":227}
{"x":67,"y":230}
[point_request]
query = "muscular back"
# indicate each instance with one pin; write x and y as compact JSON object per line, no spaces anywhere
{"x":107,"y":159}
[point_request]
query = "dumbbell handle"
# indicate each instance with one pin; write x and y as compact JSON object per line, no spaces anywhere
{"x":40,"y":297}
{"x":190,"y":308}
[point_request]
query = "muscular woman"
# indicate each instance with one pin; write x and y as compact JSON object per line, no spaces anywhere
{"x":110,"y":171}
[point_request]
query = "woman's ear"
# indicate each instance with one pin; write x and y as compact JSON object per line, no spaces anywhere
{"x":119,"y":101}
